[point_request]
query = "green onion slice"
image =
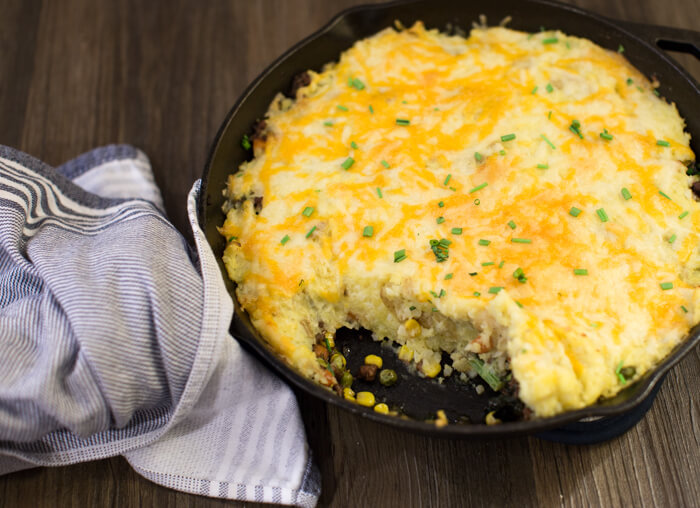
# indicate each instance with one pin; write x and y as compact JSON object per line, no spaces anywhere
{"x":347,"y":163}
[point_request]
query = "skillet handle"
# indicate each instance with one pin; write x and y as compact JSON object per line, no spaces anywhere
{"x":667,"y":38}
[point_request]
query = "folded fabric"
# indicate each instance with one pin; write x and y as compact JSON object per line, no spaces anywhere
{"x":114,"y":340}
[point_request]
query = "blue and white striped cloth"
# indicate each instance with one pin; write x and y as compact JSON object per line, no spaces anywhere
{"x":114,"y":340}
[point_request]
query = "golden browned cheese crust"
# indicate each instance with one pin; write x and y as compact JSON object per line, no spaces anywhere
{"x":550,"y":170}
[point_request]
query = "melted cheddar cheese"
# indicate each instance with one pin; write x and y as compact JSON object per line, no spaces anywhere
{"x":492,"y":143}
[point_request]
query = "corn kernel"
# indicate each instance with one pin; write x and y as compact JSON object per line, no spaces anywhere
{"x":413,"y":328}
{"x":491,"y":419}
{"x":405,"y":354}
{"x":365,"y":399}
{"x":330,"y":338}
{"x":382,"y":408}
{"x":441,"y":419}
{"x":432,"y":370}
{"x":374,"y":360}
{"x":349,"y":394}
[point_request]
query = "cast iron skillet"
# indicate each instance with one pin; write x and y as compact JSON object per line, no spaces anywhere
{"x":420,"y":398}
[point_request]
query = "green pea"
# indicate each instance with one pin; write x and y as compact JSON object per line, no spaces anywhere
{"x":346,"y":380}
{"x":338,"y":362}
{"x":387,"y":377}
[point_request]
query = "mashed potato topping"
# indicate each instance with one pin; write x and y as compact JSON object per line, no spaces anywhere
{"x":519,"y":201}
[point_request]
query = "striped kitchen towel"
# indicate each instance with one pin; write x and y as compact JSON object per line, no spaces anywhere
{"x":114,"y":340}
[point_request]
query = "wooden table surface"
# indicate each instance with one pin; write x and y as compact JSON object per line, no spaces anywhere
{"x":161,"y":75}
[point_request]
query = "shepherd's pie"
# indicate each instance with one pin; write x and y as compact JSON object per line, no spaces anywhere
{"x":519,"y":201}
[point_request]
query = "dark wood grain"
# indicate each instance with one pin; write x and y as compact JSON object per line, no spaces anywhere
{"x":161,"y":75}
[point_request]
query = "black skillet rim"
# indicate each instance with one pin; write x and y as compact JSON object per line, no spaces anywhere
{"x":641,"y":389}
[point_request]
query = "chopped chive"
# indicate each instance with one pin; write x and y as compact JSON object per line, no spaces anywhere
{"x":661,"y":142}
{"x":353,"y":145}
{"x":447,"y":179}
{"x":328,"y":124}
{"x":478,"y":187}
{"x":442,"y":293}
{"x":357,"y":84}
{"x":602,"y":215}
{"x":672,"y":239}
{"x":449,"y":276}
{"x":520,"y":240}
{"x":620,"y":49}
{"x":434,"y":294}
{"x":550,"y":40}
{"x":520,"y":275}
{"x":232,"y":238}
{"x":511,"y":224}
{"x":403,"y":121}
{"x":629,"y":81}
{"x":477,"y":201}
{"x":665,"y":195}
{"x":341,"y":107}
{"x":684,"y":309}
{"x":686,"y":212}
{"x":508,"y":137}
{"x":518,"y":304}
{"x":477,"y":294}
{"x":502,"y":152}
{"x":666,"y":285}
{"x":656,"y":92}
{"x":543,"y":166}
{"x":245,"y":142}
{"x":606,"y":135}
{"x":441,"y":204}
{"x":534,"y":90}
{"x":311,"y":231}
{"x":371,"y":109}
{"x":574,"y":212}
{"x":453,"y":189}
{"x":478,"y":157}
{"x":548,"y":142}
{"x":456,"y":231}
{"x":385,"y":164}
{"x":488,"y":263}
{"x":618,"y":373}
{"x":347,"y":163}
{"x":399,"y":255}
{"x":436,"y":109}
{"x":494,"y":289}
{"x":379,"y":193}
{"x":640,"y":88}
{"x":308,"y":211}
{"x":368,"y":231}
{"x":549,"y":88}
{"x":626,"y":194}
{"x":580,"y":271}
{"x":440,"y":220}
{"x":575,"y":127}
{"x":484,"y":242}
{"x":500,"y":265}
{"x":284,"y":239}
{"x":549,"y":115}
{"x":473,"y":274}
{"x":441,"y":249}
